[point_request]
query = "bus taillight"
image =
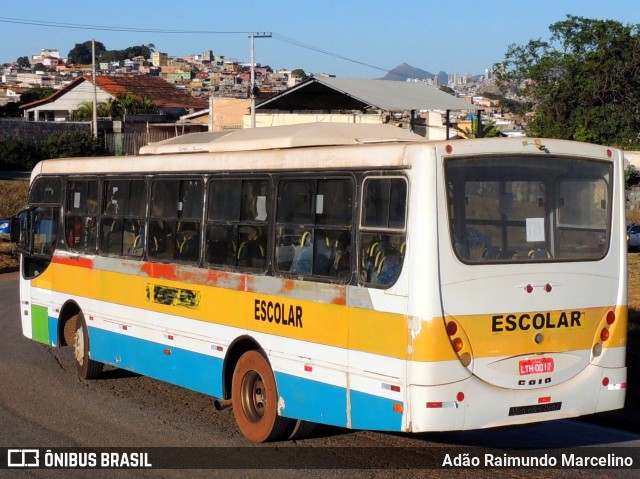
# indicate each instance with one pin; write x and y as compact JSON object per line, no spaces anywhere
{"x":611,"y":317}
{"x":459,"y":342}
{"x":452,"y":328}
{"x":604,"y":334}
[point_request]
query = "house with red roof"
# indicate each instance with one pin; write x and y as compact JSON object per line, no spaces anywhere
{"x":169,"y":100}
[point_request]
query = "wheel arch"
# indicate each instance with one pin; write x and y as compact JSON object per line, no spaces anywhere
{"x":237,"y":348}
{"x":67,"y":323}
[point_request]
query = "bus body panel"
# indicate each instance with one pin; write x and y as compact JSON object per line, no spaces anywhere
{"x":355,"y":355}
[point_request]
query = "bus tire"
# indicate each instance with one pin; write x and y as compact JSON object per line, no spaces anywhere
{"x":255,"y":400}
{"x":86,"y":367}
{"x":302,"y":430}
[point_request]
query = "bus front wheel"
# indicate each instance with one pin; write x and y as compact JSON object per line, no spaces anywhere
{"x":255,"y":399}
{"x":87,"y":368}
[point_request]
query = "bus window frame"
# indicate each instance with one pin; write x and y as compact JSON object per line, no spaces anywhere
{"x":177,"y":219}
{"x":350,"y":226}
{"x":267,"y":224}
{"x":104,"y":180}
{"x":552,"y":226}
{"x":361,"y":228}
{"x":66,"y":213}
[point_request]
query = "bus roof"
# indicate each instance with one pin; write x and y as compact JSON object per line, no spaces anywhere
{"x":277,"y":137}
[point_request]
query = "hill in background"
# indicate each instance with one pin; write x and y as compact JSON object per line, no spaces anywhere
{"x":405,"y":71}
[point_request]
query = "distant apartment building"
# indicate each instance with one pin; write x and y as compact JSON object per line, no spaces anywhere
{"x":45,"y":53}
{"x":207,"y":56}
{"x":159,"y":59}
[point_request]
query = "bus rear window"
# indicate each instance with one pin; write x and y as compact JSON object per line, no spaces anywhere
{"x":518,"y":209}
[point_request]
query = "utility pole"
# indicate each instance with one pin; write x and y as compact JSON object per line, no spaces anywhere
{"x":252,"y":94}
{"x":211,"y":111}
{"x":94,"y":123}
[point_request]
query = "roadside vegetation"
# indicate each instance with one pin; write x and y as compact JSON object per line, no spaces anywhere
{"x":633,"y":336}
{"x":17,"y":154}
{"x":13,"y":197}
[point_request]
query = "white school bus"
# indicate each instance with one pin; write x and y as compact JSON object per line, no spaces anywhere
{"x":351,"y":275}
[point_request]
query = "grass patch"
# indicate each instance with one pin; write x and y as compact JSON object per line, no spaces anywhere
{"x":633,"y":336}
{"x":13,"y":196}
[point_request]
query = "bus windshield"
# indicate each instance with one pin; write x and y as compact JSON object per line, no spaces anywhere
{"x":522,"y":209}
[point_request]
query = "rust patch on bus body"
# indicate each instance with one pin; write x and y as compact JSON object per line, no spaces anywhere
{"x":225,"y":279}
{"x":160,"y":271}
{"x":77,"y":261}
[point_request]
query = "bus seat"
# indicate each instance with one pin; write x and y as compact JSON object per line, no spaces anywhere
{"x":129,"y":236}
{"x":341,"y":256}
{"x":322,"y":253}
{"x":137,"y":246}
{"x":508,"y":254}
{"x":187,"y":245}
{"x":491,"y":252}
{"x":539,"y":253}
{"x":112,"y":236}
{"x":251,"y":254}
{"x":388,"y":269}
{"x":371,"y":256}
{"x":303,"y":255}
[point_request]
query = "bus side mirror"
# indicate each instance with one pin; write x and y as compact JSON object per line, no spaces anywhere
{"x":20,"y":232}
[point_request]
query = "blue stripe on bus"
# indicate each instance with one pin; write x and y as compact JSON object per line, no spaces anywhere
{"x":319,"y":402}
{"x":374,"y":412}
{"x":302,"y":398}
{"x":312,"y":400}
{"x":53,"y":332}
{"x":184,"y":368}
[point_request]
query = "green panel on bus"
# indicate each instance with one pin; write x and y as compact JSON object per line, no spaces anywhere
{"x":40,"y":324}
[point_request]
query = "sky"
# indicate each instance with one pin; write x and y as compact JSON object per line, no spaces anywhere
{"x":346,"y":38}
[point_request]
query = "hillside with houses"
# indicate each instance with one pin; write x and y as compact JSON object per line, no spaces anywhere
{"x":155,"y":96}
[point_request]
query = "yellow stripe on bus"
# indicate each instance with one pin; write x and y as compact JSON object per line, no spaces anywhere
{"x":385,"y":334}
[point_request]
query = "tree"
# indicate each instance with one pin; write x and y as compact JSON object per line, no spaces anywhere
{"x":131,"y":105}
{"x":11,"y":109}
{"x":299,"y":73}
{"x":582,"y":82}
{"x":83,"y":113}
{"x":81,"y":53}
{"x":631,"y":176}
{"x":140,"y":51}
{"x":23,"y":62}
{"x":448,"y":90}
{"x":70,"y":144}
{"x":35,"y":94}
{"x":489,"y":130}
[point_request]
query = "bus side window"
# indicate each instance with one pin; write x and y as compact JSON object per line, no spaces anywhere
{"x":314,"y":227}
{"x":237,"y":223}
{"x":81,"y":211}
{"x":176,"y":212}
{"x":123,"y":212}
{"x":383,"y":230}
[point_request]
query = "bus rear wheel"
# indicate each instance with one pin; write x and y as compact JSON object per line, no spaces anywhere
{"x":302,"y":430}
{"x":86,"y":367}
{"x":255,"y":400}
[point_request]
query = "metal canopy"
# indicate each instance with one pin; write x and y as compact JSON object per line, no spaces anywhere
{"x":359,"y":94}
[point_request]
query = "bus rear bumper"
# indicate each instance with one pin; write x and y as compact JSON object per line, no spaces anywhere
{"x":475,"y":404}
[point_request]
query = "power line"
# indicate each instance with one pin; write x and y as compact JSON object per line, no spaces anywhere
{"x":300,"y":44}
{"x":77,"y":26}
{"x":282,"y":38}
